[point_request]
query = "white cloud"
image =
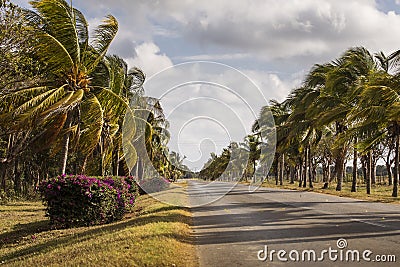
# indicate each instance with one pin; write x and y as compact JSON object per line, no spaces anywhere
{"x":215,"y":57}
{"x":274,"y":28}
{"x":272,"y":86}
{"x":149,"y":59}
{"x":266,"y":29}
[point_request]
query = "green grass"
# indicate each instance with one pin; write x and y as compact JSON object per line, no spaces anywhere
{"x":156,"y":234}
{"x":379,"y":193}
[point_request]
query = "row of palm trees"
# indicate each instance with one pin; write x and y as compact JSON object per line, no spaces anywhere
{"x":236,"y":162}
{"x":347,"y":109}
{"x":64,"y":101}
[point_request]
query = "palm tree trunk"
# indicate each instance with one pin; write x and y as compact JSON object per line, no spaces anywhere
{"x":373,"y":171}
{"x":314,"y":173}
{"x":310,"y":174}
{"x":324,"y":173}
{"x":396,"y":164}
{"x":354,"y":181}
{"x":339,"y":170}
{"x":276,"y":163}
{"x":305,"y":167}
{"x":281,"y":169}
{"x":17,"y":177}
{"x":254,"y":171}
{"x":66,"y":145}
{"x":301,"y":172}
{"x":292,"y":174}
{"x":102,"y":155}
{"x":389,"y":170}
{"x":5,"y":165}
{"x":3,"y":176}
{"x":327,"y":179}
{"x":369,"y":177}
{"x":116,"y":162}
{"x":83,"y":168}
{"x":364,"y":168}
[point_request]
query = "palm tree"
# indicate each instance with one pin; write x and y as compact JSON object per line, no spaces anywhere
{"x":252,"y":146}
{"x":151,"y":136}
{"x":124,"y":84}
{"x":303,"y":126}
{"x":377,"y":112}
{"x":338,"y":82}
{"x":72,"y":102}
{"x":378,"y":115}
{"x":271,"y":130}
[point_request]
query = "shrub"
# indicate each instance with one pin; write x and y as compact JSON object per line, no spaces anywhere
{"x":78,"y":200}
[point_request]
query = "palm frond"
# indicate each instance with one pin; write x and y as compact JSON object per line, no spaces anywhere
{"x":34,"y":20}
{"x":104,"y":34}
{"x":47,"y":138}
{"x":138,"y":77}
{"x":52,"y":53}
{"x":91,"y":124}
{"x":113,"y":105}
{"x":129,"y":154}
{"x":60,"y":18}
{"x":81,"y":29}
{"x":57,"y":107}
{"x":117,"y":73}
{"x":34,"y":101}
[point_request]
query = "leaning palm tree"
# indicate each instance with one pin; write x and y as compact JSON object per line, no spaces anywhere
{"x":73,"y":100}
{"x":125,"y":84}
{"x":339,"y":95}
{"x":378,"y":115}
{"x":302,"y":126}
{"x":252,"y":146}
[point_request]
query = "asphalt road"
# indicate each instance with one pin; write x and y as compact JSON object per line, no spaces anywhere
{"x":236,"y":229}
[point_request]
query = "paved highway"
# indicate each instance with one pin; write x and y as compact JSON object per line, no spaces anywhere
{"x":290,"y":227}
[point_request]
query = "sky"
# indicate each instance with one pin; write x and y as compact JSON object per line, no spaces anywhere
{"x":262,"y":50}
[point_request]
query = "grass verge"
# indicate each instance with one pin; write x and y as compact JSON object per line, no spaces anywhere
{"x":379,"y":193}
{"x":155,"y":234}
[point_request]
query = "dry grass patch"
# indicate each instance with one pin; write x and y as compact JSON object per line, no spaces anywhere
{"x":156,"y":234}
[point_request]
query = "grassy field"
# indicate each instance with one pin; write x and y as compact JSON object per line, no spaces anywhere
{"x":379,"y":193}
{"x":155,"y":234}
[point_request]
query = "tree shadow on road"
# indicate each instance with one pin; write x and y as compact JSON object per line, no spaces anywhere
{"x":279,"y":223}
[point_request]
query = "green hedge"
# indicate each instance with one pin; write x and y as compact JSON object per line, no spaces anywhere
{"x":78,"y":200}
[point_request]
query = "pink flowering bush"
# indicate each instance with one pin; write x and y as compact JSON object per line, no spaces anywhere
{"x":78,"y":200}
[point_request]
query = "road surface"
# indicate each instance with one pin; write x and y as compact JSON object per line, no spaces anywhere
{"x":237,"y":229}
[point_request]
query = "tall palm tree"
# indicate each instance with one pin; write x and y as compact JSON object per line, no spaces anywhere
{"x":252,"y":146}
{"x":303,"y":127}
{"x":378,"y":115}
{"x":271,"y":130}
{"x":338,"y":82}
{"x":72,"y":102}
{"x":125,"y":84}
{"x":151,"y":135}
